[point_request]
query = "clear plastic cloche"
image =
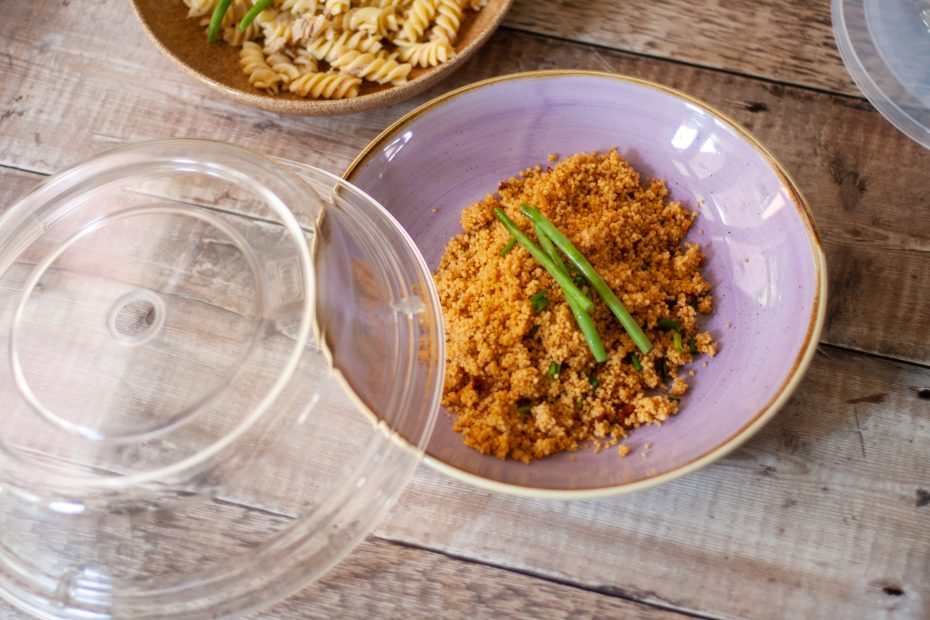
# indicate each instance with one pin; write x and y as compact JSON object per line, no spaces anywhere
{"x":886,"y":47}
{"x":217,"y":370}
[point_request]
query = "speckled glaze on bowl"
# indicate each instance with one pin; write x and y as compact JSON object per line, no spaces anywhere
{"x":763,"y":254}
{"x":183,"y":41}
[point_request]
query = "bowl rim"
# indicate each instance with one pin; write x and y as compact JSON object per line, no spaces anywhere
{"x":331,"y":107}
{"x":766,"y":412}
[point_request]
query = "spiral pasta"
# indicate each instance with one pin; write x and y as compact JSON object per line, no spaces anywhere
{"x":331,"y":85}
{"x":449,"y":15}
{"x":328,"y":49}
{"x":377,"y":68}
{"x":336,"y":7}
{"x":373,"y":20}
{"x":197,"y":8}
{"x":260,"y":73}
{"x":300,"y":7}
{"x":426,"y":54}
{"x":417,"y":19}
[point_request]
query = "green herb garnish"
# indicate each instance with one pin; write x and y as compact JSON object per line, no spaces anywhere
{"x":692,"y":345}
{"x":634,"y":359}
{"x":594,"y":381}
{"x":553,"y":371}
{"x":676,"y":340}
{"x":670,"y":324}
{"x":540,"y":301}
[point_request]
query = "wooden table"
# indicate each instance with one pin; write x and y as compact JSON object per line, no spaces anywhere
{"x":825,"y":513}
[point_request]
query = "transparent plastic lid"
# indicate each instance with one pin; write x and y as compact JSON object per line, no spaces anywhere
{"x":216,"y":372}
{"x":886,"y":47}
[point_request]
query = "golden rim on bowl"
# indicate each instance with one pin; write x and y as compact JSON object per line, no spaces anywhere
{"x":765,"y":413}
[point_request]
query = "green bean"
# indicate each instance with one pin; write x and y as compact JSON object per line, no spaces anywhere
{"x":588,"y":330}
{"x":257,"y":8}
{"x":615,"y":305}
{"x":216,"y":20}
{"x":563,"y":280}
{"x":582,"y":319}
{"x":546,"y":244}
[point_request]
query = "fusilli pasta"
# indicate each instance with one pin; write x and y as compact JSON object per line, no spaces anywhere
{"x":417,"y":19}
{"x":329,"y":85}
{"x":260,"y":73}
{"x":426,"y":54}
{"x":377,"y":68}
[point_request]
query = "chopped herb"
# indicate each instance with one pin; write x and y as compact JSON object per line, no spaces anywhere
{"x":594,"y":381}
{"x":507,"y":247}
{"x":673,"y":397}
{"x":634,"y":359}
{"x":533,"y":329}
{"x":553,"y":370}
{"x":644,"y":266}
{"x":670,"y":324}
{"x":676,"y":340}
{"x":692,"y":345}
{"x":579,"y":403}
{"x":660,"y":366}
{"x":540,"y":301}
{"x":525,"y":409}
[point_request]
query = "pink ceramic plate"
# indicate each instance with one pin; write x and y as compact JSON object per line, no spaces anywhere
{"x":763,"y":255}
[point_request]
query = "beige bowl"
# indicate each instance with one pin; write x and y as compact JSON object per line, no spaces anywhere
{"x":183,"y":40}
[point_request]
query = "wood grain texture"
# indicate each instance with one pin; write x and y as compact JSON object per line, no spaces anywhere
{"x":824,"y":514}
{"x":785,"y":40}
{"x":866,"y":182}
{"x":386,"y":580}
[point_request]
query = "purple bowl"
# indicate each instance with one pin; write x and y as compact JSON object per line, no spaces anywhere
{"x":764,"y":258}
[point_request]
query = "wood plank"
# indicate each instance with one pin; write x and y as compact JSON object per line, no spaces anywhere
{"x":385,"y":580}
{"x":824,"y":514}
{"x":866,"y":182}
{"x":790,"y":41}
{"x":381,"y":579}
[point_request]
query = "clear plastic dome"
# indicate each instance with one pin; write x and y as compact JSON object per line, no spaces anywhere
{"x":886,"y":47}
{"x":217,"y":370}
